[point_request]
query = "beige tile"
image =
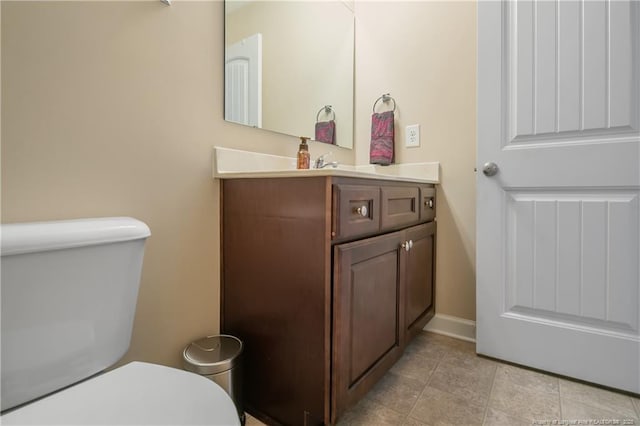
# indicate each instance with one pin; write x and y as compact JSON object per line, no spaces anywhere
{"x":573,"y":410}
{"x":435,"y":407}
{"x":471,"y":361}
{"x":528,"y":379}
{"x":597,"y":397}
{"x":415,"y":366}
{"x":413,"y":422}
{"x":472,"y":385}
{"x":498,"y":418}
{"x":636,"y":402}
{"x":450,"y":342}
{"x":252,"y":421}
{"x":428,"y":347}
{"x":396,"y":392}
{"x":367,"y":413}
{"x":523,"y":400}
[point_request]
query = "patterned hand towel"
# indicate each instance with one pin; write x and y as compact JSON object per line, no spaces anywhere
{"x":326,"y":131}
{"x":381,"y":149}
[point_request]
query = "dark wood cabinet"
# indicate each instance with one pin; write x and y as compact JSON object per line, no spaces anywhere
{"x":324,"y":293}
{"x":420,"y":274}
{"x":367,"y":315}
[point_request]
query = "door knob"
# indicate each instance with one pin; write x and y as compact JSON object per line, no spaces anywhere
{"x":490,"y":169}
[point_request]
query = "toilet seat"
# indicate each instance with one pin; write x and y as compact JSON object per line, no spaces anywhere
{"x":135,"y":394}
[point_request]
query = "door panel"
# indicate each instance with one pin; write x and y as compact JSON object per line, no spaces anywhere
{"x":559,"y":225}
{"x":572,"y":255}
{"x":373,"y":313}
{"x":419,"y":278}
{"x":367,"y":307}
{"x":569,"y":69}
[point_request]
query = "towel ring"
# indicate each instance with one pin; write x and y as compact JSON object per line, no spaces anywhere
{"x":327,"y":109}
{"x":385,"y":98}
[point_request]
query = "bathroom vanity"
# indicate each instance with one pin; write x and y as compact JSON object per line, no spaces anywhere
{"x":325,"y":278}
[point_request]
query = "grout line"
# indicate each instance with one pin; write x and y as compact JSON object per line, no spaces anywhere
{"x":559,"y":397}
{"x":423,"y":389}
{"x":486,"y":408}
{"x":418,"y":398}
{"x":636,"y":405}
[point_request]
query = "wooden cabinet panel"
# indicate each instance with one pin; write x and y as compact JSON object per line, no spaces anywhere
{"x":419,"y":273}
{"x":356,"y":210}
{"x":276,"y":293}
{"x":427,"y":203}
{"x":399,"y":206}
{"x":373,"y":311}
{"x":368,"y":308}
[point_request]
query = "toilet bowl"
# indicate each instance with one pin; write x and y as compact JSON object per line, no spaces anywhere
{"x":69,"y":291}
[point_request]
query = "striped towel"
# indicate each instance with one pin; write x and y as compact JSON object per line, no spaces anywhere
{"x":381,"y":149}
{"x":326,"y":131}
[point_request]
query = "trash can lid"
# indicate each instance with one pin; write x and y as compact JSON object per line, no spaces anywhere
{"x":212,"y":354}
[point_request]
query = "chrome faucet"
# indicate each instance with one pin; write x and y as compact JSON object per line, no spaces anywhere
{"x":320,"y":162}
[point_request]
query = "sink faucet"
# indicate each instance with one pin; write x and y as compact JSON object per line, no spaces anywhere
{"x":320,"y":162}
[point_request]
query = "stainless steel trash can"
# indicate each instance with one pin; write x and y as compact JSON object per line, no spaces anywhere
{"x":219,"y":359}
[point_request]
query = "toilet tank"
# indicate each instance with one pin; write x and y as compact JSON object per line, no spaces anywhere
{"x":68,"y":292}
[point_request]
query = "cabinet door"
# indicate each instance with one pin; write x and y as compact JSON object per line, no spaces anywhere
{"x":419,"y":275}
{"x":367,"y":317}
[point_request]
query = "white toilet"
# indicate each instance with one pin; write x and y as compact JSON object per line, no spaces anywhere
{"x":69,"y":291}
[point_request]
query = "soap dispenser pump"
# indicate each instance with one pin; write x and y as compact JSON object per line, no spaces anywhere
{"x":304,"y":159}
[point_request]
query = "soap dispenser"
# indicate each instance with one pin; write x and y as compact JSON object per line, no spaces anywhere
{"x":304,"y":158}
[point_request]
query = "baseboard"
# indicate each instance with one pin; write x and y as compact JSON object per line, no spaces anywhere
{"x":455,"y":327}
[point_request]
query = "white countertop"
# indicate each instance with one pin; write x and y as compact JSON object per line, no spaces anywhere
{"x":236,"y":164}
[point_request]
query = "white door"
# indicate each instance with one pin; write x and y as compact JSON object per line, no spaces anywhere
{"x":243,"y":82}
{"x":558,"y":255}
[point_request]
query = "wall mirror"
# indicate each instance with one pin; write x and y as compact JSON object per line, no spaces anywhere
{"x":290,"y":65}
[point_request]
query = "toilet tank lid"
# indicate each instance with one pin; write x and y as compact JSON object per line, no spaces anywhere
{"x":29,"y":237}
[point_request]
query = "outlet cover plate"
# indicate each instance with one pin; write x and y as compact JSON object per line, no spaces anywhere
{"x":412,"y":136}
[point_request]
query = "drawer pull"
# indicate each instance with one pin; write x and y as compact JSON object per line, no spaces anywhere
{"x":362,"y":211}
{"x":429,"y":203}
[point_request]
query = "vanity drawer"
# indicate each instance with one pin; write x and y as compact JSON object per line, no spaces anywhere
{"x":427,"y":203}
{"x":399,"y":206}
{"x":356,"y":210}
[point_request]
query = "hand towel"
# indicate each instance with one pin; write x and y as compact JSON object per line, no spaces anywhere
{"x":382,"y":135}
{"x":326,"y":131}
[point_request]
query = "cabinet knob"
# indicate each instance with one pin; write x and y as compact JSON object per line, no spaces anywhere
{"x":362,"y":211}
{"x":429,"y":203}
{"x":410,"y":244}
{"x":406,"y":245}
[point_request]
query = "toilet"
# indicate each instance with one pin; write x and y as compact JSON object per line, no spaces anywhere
{"x":69,"y":292}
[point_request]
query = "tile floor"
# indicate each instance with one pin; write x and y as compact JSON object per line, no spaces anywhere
{"x":441,"y":381}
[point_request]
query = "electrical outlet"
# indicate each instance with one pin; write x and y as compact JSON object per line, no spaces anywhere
{"x":412,"y":136}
